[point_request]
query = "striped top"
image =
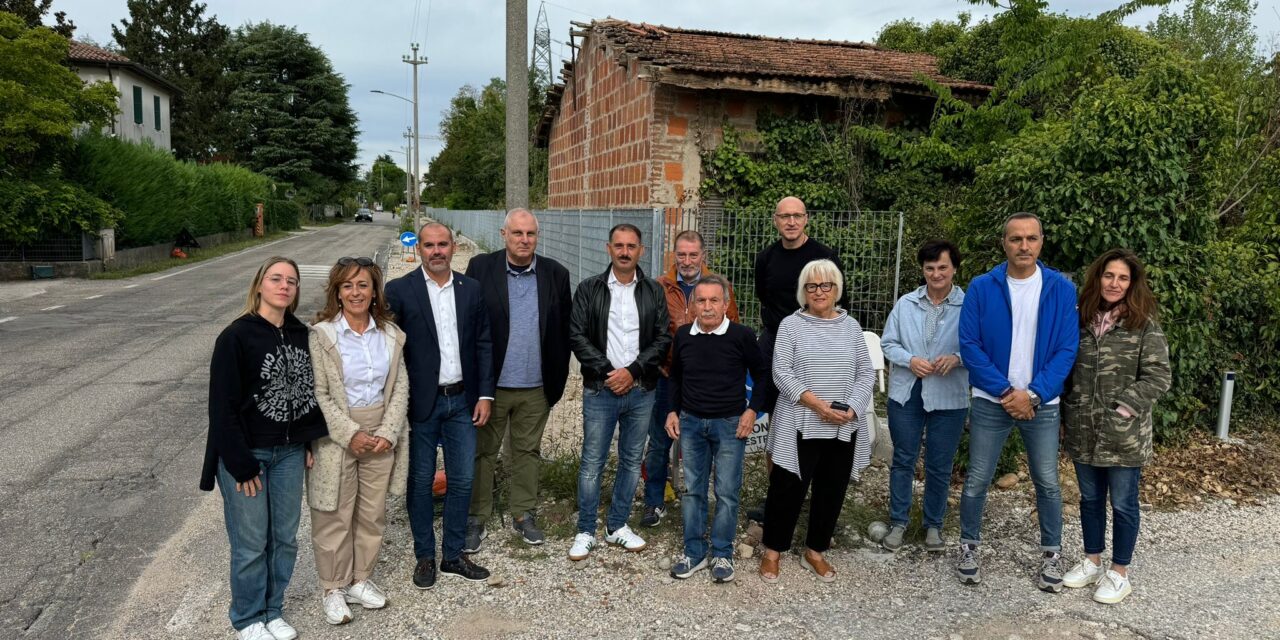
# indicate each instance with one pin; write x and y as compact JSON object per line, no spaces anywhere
{"x":828,"y":357}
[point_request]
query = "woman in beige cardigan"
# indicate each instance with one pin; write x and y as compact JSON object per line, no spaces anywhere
{"x":363,"y":390}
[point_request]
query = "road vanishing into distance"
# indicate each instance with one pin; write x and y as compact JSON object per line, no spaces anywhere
{"x":103,"y":416}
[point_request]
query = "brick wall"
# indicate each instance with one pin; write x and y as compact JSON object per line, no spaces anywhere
{"x":599,"y":150}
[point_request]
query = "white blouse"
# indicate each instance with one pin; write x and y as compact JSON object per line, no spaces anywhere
{"x":365,"y":363}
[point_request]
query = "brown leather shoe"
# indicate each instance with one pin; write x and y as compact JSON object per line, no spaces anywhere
{"x":818,"y":565}
{"x":769,"y":568}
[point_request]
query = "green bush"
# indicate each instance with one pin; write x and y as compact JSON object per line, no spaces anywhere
{"x":161,"y":196}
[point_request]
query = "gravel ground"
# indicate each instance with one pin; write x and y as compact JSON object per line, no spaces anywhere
{"x":1206,"y":573}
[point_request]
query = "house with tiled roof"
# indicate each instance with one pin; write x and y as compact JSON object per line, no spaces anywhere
{"x":145,"y":97}
{"x":640,"y":103}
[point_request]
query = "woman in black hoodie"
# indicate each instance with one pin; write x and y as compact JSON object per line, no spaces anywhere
{"x":262,"y":417}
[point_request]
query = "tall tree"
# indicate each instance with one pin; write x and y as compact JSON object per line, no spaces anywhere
{"x":175,"y":39}
{"x":288,"y":111}
{"x":386,"y":182}
{"x":43,"y":105}
{"x":32,"y":12}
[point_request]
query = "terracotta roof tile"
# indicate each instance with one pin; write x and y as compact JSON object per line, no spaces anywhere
{"x":81,"y":52}
{"x":718,"y":53}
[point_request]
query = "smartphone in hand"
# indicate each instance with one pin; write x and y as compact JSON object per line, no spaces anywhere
{"x":839,"y":406}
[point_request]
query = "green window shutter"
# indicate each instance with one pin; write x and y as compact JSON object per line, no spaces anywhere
{"x":156,"y":102}
{"x":137,"y":104}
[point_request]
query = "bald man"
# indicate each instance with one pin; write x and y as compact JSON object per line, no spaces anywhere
{"x":777,"y":274}
{"x":528,"y":301}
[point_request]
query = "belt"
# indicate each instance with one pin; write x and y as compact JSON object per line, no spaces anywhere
{"x":450,"y":389}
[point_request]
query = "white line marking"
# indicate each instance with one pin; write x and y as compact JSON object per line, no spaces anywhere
{"x":130,"y":286}
{"x":229,"y":255}
{"x":95,"y":297}
{"x":56,"y":306}
{"x":4,"y":320}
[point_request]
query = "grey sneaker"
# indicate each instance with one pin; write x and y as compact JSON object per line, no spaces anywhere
{"x":685,"y":567}
{"x":1051,"y":572}
{"x":967,"y":568}
{"x":528,"y":529}
{"x":475,"y":534}
{"x":722,"y":570}
{"x":933,"y":540}
{"x":653,"y":515}
{"x":893,"y":540}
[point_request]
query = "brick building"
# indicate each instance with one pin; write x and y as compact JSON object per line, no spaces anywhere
{"x":640,"y":103}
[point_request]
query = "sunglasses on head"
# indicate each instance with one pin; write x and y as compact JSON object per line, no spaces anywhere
{"x":364,"y":262}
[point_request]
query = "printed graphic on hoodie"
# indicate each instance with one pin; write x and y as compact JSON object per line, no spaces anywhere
{"x":289,"y":391}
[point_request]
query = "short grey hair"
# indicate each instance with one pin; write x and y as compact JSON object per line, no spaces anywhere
{"x":506,"y":222}
{"x":712,"y":278}
{"x":819,"y":269}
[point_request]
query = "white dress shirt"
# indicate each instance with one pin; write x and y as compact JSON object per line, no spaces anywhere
{"x":624,"y":322}
{"x":446,"y":315}
{"x":365,"y":363}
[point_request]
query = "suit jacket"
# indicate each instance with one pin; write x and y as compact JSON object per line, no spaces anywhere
{"x":555,"y":303}
{"x":407,"y":296}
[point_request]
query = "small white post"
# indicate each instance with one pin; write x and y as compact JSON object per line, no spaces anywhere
{"x":1224,"y":405}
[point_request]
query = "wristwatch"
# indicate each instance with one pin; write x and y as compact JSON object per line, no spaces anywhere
{"x":1035,"y":399}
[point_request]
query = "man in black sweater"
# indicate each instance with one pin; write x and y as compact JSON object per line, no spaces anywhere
{"x":777,"y":278}
{"x":709,"y":364}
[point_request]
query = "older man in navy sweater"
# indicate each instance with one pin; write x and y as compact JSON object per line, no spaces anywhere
{"x":709,"y":363}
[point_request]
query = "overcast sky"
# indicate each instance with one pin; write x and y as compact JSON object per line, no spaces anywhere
{"x":464,"y":40}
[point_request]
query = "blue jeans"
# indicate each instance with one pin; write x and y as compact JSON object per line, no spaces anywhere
{"x":1122,"y":484}
{"x":703,"y":441}
{"x":601,"y":412}
{"x":451,"y":421}
{"x":658,"y":458}
{"x":989,"y":426}
{"x":941,"y":430}
{"x":263,"y":532}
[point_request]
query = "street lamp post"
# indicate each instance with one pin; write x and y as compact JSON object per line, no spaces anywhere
{"x":414,"y":204}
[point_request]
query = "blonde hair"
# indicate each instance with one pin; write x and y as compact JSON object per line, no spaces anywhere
{"x":820,"y":269}
{"x":254,"y":299}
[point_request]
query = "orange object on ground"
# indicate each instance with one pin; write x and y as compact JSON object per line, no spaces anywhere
{"x":440,"y":484}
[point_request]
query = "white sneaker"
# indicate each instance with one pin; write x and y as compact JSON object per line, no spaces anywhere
{"x":583,"y":543}
{"x":626,"y":538}
{"x":1112,"y":588}
{"x":366,"y":594}
{"x":281,"y":630}
{"x":255,"y":631}
{"x":335,"y":607}
{"x":1083,"y":574}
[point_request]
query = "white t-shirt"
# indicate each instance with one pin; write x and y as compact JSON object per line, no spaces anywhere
{"x":1024,"y":299}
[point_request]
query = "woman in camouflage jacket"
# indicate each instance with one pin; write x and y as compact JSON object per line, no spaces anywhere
{"x":1121,"y":369}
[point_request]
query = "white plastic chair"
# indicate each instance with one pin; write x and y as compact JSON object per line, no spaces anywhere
{"x":881,"y":443}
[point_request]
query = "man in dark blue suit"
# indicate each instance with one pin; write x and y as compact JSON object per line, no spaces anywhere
{"x":449,"y":357}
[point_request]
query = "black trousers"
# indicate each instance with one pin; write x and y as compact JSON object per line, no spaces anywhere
{"x":824,"y":464}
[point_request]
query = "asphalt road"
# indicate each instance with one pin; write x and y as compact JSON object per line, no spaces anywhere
{"x":103,"y":391}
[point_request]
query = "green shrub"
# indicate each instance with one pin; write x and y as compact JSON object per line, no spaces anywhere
{"x":161,"y":196}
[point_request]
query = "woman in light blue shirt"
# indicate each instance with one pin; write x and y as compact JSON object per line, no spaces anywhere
{"x":928,"y":391}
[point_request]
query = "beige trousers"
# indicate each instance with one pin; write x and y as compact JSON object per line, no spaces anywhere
{"x":347,"y":539}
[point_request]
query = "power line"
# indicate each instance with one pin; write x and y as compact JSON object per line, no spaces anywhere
{"x":560,"y":6}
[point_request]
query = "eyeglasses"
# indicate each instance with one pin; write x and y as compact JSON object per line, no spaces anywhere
{"x":810,"y":287}
{"x":278,"y":280}
{"x":364,"y":262}
{"x":790,"y":217}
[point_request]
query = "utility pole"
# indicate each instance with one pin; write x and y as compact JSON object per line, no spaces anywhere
{"x":408,"y":177}
{"x":517,"y":105}
{"x":417,"y":205}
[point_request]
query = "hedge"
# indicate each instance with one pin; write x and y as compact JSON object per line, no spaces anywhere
{"x":161,"y":196}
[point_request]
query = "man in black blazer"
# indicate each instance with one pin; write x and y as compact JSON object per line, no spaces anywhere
{"x":449,"y":357}
{"x":528,"y":300}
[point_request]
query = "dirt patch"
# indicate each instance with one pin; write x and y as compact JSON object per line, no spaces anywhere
{"x":1242,"y":471}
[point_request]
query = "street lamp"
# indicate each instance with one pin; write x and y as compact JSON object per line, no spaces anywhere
{"x":387,"y":93}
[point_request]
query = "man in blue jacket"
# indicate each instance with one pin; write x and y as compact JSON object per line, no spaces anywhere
{"x":1018,"y":337}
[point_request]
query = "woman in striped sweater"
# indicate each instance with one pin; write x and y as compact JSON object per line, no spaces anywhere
{"x":824,"y":378}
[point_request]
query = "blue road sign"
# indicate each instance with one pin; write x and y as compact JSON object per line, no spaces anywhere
{"x":408,"y":239}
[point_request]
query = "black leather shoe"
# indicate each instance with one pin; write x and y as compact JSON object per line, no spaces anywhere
{"x":464,"y":568}
{"x":424,"y":575}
